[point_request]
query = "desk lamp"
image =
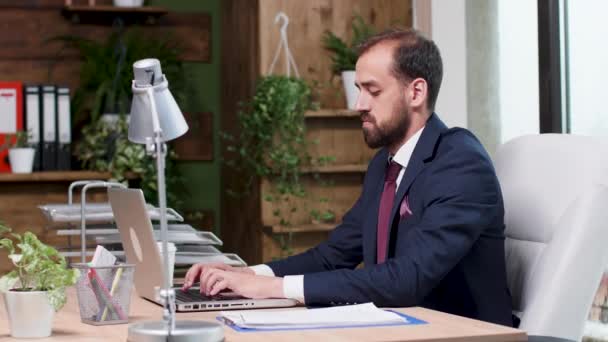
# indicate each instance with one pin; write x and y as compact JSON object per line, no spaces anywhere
{"x":155,"y":119}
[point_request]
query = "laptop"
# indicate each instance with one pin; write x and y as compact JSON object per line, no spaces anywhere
{"x":135,"y":227}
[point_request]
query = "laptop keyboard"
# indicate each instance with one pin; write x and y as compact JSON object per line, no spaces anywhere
{"x":194,"y":295}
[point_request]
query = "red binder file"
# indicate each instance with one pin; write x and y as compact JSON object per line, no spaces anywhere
{"x":11,"y":116}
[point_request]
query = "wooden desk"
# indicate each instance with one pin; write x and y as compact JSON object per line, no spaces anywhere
{"x":440,"y":327}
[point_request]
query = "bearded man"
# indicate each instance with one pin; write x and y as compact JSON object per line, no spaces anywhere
{"x":428,"y":225}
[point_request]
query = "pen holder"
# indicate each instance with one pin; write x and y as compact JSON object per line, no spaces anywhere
{"x":104,"y":293}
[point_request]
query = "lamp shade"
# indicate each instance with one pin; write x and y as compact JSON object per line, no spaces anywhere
{"x":150,"y":85}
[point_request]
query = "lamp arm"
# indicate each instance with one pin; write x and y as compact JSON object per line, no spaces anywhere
{"x":167,"y":295}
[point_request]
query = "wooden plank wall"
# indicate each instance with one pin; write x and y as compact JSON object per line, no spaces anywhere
{"x":26,"y":26}
{"x":307,"y":22}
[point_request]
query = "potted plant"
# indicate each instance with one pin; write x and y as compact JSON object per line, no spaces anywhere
{"x":20,"y":153}
{"x":344,"y":56}
{"x":35,"y":289}
{"x":107,"y":89}
{"x":105,"y":147}
{"x":128,"y":3}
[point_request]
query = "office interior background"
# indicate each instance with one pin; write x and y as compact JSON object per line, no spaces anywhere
{"x":511,"y":68}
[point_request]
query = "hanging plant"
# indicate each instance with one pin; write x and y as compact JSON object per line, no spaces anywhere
{"x":272,"y":144}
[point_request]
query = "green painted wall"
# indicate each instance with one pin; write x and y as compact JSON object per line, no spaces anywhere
{"x":203,"y":178}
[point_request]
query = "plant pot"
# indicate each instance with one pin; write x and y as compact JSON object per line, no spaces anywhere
{"x":350,"y":90}
{"x":128,"y":3}
{"x":21,"y":159}
{"x":30,"y":313}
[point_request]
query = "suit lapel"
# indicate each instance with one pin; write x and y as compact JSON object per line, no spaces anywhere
{"x":423,"y":152}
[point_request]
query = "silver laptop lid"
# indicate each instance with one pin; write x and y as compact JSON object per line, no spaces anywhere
{"x":135,"y":228}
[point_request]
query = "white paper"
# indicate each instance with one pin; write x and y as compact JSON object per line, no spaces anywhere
{"x":349,"y":315}
{"x":103,"y":258}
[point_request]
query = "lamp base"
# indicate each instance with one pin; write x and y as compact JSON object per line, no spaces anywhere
{"x":185,"y":331}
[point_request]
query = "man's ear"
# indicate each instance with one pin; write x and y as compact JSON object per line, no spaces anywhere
{"x":417,"y":92}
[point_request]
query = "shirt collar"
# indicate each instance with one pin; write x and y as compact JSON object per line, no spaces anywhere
{"x":404,"y":153}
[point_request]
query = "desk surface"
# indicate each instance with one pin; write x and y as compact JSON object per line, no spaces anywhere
{"x":440,"y":327}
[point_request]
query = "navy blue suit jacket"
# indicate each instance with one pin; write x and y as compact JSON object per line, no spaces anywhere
{"x":448,"y":255}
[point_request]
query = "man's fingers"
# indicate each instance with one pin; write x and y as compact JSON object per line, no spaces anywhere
{"x":218,"y":286}
{"x":214,"y":277}
{"x":205,"y":276}
{"x":191,"y":275}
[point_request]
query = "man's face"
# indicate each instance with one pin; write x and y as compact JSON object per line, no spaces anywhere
{"x":382,"y":101}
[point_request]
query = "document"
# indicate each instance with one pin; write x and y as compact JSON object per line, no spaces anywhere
{"x":339,"y":316}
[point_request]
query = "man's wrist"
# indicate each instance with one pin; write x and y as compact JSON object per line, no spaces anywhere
{"x":277,"y":288}
{"x":262,"y":269}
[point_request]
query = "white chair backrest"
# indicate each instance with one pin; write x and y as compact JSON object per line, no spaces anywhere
{"x":556,"y":215}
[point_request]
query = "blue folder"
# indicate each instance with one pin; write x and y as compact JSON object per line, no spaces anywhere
{"x":409,"y":320}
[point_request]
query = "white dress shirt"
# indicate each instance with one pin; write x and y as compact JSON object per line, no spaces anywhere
{"x":293,"y":286}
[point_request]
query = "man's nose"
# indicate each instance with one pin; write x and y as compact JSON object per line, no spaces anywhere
{"x":362,"y":104}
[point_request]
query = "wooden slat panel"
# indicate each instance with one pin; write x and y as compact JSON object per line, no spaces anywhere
{"x":341,"y":193}
{"x":299,"y":243}
{"x":197,"y":143}
{"x":308,"y":21}
{"x":41,"y":71}
{"x":339,"y":138}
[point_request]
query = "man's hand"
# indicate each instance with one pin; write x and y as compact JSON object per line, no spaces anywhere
{"x":246,"y":285}
{"x":199,"y":272}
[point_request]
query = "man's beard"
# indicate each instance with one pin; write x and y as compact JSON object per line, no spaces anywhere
{"x":393,"y":131}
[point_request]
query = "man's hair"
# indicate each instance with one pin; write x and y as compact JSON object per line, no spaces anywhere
{"x":414,"y":57}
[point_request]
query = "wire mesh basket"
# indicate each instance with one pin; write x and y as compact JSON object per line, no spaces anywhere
{"x":104,"y":293}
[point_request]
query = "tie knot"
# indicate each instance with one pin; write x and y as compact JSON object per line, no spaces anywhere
{"x":392,"y":171}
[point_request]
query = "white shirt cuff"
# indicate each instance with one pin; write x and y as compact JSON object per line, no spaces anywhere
{"x":263,"y":270}
{"x":293,"y":287}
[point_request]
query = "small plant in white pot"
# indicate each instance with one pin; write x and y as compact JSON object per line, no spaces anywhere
{"x":35,"y":289}
{"x":20,"y":153}
{"x":344,"y":57}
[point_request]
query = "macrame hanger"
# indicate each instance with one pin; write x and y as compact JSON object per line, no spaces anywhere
{"x":289,"y":61}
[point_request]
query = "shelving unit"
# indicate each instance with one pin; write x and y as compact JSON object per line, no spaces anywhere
{"x":346,"y":168}
{"x":305,"y":228}
{"x":332,"y":113}
{"x":250,"y":227}
{"x":52,"y":176}
{"x":101,"y":13}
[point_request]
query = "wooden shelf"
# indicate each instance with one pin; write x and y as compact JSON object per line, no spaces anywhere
{"x":105,"y":13}
{"x":332,"y":113}
{"x":52,"y":176}
{"x":347,"y":168}
{"x":305,"y":228}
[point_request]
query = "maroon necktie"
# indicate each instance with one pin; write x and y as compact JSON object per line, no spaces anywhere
{"x":386,"y":205}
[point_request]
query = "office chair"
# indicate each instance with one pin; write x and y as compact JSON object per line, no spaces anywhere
{"x":556,"y":215}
